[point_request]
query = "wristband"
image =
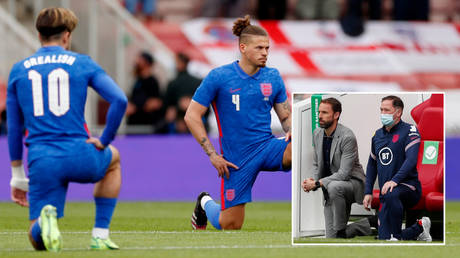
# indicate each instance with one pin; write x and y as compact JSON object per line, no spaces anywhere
{"x":19,"y":179}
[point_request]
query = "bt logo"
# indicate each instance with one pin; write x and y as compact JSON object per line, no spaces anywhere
{"x":385,"y":156}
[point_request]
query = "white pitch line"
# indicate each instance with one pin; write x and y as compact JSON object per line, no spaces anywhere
{"x":157,"y":232}
{"x":140,"y":248}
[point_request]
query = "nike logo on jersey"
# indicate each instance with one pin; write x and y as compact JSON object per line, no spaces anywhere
{"x":234,"y":90}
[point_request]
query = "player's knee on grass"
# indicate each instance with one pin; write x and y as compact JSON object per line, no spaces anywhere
{"x":232,"y":218}
{"x":287,"y":157}
{"x":231,"y":225}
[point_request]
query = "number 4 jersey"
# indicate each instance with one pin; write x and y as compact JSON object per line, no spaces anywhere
{"x":242,"y":105}
{"x":47,"y":94}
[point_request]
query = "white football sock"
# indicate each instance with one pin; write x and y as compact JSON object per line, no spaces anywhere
{"x":204,"y":200}
{"x":102,"y":233}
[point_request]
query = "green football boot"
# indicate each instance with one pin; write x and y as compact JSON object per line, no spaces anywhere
{"x":103,"y":244}
{"x":50,"y":232}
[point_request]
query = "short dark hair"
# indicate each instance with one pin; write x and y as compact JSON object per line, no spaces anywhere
{"x":335,"y":104}
{"x":52,"y":22}
{"x":395,"y":100}
{"x":183,"y":58}
{"x":148,"y":57}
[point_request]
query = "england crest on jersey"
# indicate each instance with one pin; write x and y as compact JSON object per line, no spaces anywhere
{"x":266,"y":89}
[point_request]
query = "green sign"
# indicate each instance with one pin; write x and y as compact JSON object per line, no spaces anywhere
{"x":315,"y":100}
{"x":430,"y":152}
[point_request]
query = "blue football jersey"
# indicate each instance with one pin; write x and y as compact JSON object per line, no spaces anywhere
{"x":47,"y":94}
{"x":242,"y":105}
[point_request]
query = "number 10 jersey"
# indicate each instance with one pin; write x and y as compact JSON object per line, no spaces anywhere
{"x":48,"y":92}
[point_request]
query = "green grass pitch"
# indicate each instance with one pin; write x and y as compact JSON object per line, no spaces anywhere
{"x":162,"y":229}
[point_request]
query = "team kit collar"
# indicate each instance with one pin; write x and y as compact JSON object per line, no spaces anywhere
{"x":394,"y":128}
{"x":49,"y":49}
{"x":243,"y":74}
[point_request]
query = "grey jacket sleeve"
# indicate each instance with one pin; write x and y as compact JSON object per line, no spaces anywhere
{"x":315,"y":161}
{"x":348,"y":159}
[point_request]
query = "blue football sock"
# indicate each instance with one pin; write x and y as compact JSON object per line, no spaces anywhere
{"x":104,"y":211}
{"x":212,"y":212}
{"x":36,"y":233}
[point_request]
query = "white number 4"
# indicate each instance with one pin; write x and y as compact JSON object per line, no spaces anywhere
{"x":236,"y":101}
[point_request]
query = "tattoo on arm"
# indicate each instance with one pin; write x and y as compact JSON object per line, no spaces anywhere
{"x":207,"y":146}
{"x":286,"y":106}
{"x":286,"y":121}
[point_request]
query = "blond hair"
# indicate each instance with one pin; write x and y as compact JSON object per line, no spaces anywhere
{"x":242,"y":28}
{"x":51,"y":22}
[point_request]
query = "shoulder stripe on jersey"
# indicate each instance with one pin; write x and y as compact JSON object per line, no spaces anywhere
{"x":373,"y":156}
{"x":412,"y":143}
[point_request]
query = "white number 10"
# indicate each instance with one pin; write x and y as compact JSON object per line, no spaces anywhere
{"x":236,"y":101}
{"x":58,"y":92}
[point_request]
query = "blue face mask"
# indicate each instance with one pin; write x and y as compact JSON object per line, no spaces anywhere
{"x":387,"y":119}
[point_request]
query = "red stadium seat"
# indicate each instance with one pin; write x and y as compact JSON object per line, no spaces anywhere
{"x":375,"y":199}
{"x":435,"y":200}
{"x":431,"y":127}
{"x":436,"y":100}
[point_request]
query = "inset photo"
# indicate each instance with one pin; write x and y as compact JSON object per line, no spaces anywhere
{"x":368,"y":168}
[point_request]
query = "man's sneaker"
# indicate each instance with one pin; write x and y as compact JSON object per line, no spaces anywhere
{"x":393,"y":239}
{"x":199,"y":218}
{"x":50,"y":232}
{"x":103,"y":244}
{"x":425,"y":222}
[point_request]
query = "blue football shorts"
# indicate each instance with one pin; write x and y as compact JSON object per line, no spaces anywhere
{"x":237,"y":189}
{"x":49,"y":176}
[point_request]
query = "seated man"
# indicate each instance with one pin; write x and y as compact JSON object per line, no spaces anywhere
{"x":336,"y":168}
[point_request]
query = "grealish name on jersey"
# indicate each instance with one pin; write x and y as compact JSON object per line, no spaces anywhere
{"x":49,"y":59}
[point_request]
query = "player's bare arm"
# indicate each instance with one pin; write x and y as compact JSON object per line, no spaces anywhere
{"x":283,"y":110}
{"x":193,"y":119}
